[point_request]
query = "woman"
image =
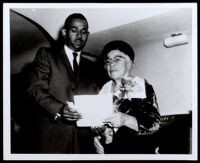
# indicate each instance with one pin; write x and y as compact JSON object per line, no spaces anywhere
{"x":135,"y":113}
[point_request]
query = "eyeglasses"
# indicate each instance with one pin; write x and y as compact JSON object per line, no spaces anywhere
{"x":115,"y":60}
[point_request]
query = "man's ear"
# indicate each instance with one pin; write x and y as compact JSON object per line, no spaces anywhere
{"x":64,"y":34}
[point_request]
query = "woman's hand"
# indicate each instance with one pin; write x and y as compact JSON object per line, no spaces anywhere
{"x":97,"y":130}
{"x":116,"y":120}
{"x":120,"y":119}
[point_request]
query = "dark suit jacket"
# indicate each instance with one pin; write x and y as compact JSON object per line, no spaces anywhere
{"x":52,"y":82}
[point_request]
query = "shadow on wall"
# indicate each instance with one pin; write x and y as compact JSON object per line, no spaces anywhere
{"x":22,"y":113}
{"x":26,"y":37}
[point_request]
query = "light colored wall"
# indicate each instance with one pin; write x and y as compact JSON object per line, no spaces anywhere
{"x":169,"y":70}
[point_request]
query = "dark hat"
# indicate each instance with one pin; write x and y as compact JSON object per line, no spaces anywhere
{"x":118,"y":45}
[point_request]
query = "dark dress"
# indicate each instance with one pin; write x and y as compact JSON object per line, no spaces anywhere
{"x":146,"y":112}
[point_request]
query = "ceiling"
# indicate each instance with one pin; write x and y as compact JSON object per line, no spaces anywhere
{"x":144,"y":31}
{"x":100,"y":19}
{"x":32,"y":28}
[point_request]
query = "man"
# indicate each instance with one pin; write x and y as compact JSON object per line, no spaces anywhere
{"x":60,"y":73}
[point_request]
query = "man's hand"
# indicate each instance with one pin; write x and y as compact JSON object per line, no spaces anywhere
{"x":98,"y":146}
{"x":70,"y":113}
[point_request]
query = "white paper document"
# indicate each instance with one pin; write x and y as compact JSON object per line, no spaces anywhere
{"x":94,"y":109}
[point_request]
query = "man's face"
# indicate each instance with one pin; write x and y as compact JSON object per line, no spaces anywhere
{"x":77,"y":34}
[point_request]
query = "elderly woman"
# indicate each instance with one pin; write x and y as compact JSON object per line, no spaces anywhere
{"x":135,"y":113}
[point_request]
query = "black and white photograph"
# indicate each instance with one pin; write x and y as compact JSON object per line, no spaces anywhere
{"x":100,"y":81}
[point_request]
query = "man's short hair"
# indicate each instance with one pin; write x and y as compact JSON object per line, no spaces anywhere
{"x":74,"y":16}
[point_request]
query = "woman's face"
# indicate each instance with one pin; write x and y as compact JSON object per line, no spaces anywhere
{"x":117,"y":64}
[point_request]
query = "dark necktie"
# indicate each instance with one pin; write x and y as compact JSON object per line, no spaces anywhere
{"x":75,"y":64}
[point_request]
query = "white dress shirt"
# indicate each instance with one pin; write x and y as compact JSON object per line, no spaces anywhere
{"x":70,"y":55}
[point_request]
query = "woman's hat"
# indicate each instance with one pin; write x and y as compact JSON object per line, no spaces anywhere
{"x":118,"y":45}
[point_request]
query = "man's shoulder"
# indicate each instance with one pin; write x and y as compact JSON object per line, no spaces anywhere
{"x":48,"y":49}
{"x":48,"y":52}
{"x":44,"y":51}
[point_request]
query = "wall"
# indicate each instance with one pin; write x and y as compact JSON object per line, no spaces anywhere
{"x":169,"y":70}
{"x":25,"y":40}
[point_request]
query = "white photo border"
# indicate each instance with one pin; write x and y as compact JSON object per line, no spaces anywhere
{"x":6,"y":85}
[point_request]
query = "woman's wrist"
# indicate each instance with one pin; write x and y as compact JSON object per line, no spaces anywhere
{"x":131,"y":122}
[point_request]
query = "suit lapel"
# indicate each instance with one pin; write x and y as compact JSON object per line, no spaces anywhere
{"x":66,"y":63}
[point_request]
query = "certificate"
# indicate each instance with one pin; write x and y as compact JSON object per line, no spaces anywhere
{"x":94,"y":109}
